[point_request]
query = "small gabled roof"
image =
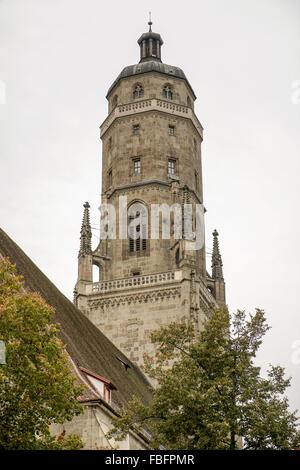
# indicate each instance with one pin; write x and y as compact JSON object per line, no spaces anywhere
{"x":86,"y":344}
{"x":96,"y":376}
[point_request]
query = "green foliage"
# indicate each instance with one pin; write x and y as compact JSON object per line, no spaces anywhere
{"x":36,"y":388}
{"x":209,"y":392}
{"x":71,"y":442}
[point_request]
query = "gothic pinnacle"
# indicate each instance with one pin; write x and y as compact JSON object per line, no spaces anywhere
{"x":216,"y":262}
{"x":86,"y":232}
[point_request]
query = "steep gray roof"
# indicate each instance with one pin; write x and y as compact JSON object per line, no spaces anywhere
{"x":87,"y":346}
{"x":150,"y":66}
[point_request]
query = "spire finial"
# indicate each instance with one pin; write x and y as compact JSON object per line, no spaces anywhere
{"x":150,"y":22}
{"x":216,"y":262}
{"x":150,"y":44}
{"x":86,"y":232}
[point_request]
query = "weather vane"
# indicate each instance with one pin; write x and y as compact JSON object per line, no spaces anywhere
{"x":150,"y":21}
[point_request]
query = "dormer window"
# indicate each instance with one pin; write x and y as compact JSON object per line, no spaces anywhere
{"x":98,"y":383}
{"x":138,"y":92}
{"x":167,"y":92}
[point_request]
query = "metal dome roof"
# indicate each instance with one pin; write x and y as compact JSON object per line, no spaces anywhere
{"x":150,"y":66}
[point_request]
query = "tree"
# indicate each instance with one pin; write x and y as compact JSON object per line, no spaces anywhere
{"x":209,"y":391}
{"x":36,"y":388}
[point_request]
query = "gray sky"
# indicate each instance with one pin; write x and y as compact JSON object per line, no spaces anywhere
{"x":242,"y":57}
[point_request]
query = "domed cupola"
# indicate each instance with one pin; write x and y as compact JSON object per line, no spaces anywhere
{"x":150,"y":44}
{"x":150,"y":51}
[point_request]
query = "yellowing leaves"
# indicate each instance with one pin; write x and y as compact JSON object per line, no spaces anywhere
{"x":35,"y":385}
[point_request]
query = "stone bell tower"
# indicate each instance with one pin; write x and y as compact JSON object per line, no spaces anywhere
{"x":151,"y":155}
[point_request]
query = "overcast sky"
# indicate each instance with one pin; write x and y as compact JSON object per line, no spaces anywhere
{"x":242,"y":58}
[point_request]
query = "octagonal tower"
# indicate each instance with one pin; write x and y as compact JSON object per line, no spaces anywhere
{"x":151,"y":155}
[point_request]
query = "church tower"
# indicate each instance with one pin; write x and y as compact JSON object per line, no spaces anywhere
{"x":151,"y":158}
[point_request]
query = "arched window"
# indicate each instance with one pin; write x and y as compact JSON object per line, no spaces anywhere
{"x":167,"y":92}
{"x":211,"y":290}
{"x":96,"y":273}
{"x":137,"y":227}
{"x":138,"y":92}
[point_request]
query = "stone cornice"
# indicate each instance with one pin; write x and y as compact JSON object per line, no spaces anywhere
{"x":146,"y":288}
{"x":109,"y":193}
{"x":156,"y":295}
{"x":154,"y":104}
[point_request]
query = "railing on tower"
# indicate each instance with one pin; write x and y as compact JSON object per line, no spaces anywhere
{"x":147,"y":105}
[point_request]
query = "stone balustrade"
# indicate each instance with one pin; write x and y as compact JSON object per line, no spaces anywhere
{"x":147,"y":105}
{"x":133,"y":282}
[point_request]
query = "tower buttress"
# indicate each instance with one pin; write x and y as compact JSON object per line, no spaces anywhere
{"x":85,"y":258}
{"x":217,"y":271}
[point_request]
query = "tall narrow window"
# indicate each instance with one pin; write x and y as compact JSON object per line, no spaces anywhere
{"x":137,"y":234}
{"x":131,"y":234}
{"x":144,"y":237}
{"x":110,"y":143}
{"x":136,"y":129}
{"x":177,"y":256}
{"x":138,"y":238}
{"x":138,"y":92}
{"x":171,"y":130}
{"x":171,"y":167}
{"x":110,"y":178}
{"x":154,"y":48}
{"x":167,"y":92}
{"x":137,"y":166}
